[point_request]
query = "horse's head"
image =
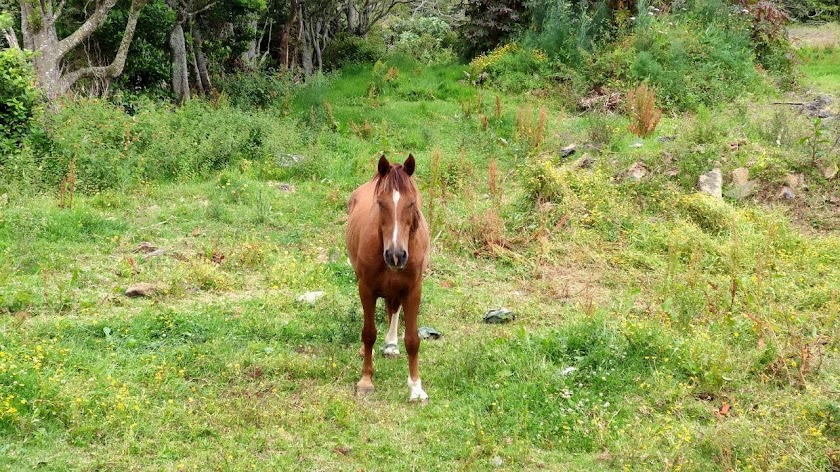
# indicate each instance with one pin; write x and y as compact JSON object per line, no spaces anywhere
{"x":398,"y":201}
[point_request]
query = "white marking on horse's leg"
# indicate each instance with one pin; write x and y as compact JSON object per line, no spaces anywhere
{"x":396,"y":223}
{"x":416,"y":389}
{"x":391,"y":349}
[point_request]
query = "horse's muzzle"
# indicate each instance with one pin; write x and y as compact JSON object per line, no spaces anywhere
{"x":396,"y":258}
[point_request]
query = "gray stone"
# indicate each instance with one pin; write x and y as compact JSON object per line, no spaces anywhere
{"x":711,"y":183}
{"x":786,"y":193}
{"x":568,"y":150}
{"x":795,"y":181}
{"x":501,"y":315}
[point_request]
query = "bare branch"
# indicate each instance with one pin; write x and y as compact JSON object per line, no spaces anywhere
{"x":88,"y":27}
{"x":201,"y":10}
{"x":115,"y":68}
{"x":11,"y":38}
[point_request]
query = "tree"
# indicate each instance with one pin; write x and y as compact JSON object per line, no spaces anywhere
{"x":38,"y":24}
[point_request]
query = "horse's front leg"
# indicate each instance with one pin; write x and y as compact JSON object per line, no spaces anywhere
{"x":411,"y":307}
{"x":365,"y":385}
{"x":391,"y":349}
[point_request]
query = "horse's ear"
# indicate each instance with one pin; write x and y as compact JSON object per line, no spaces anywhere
{"x":384,"y":166}
{"x":408,"y":165}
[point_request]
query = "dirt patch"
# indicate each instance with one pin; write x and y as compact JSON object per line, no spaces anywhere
{"x":568,"y":284}
{"x":821,"y":36}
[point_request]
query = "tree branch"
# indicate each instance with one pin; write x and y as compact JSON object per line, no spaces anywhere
{"x":11,"y":38}
{"x":115,"y":68}
{"x":88,"y":27}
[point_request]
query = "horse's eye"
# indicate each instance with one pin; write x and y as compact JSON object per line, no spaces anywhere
{"x":410,"y":205}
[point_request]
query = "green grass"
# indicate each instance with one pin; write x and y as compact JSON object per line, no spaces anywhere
{"x":642,"y":308}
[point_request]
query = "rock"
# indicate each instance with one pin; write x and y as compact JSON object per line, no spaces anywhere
{"x":786,"y":193}
{"x":829,"y":171}
{"x":795,"y":181}
{"x":497,"y":461}
{"x":584,"y":162}
{"x":426,"y":332}
{"x":141,"y":289}
{"x":283,"y":187}
{"x":155,"y":253}
{"x":637,"y":145}
{"x":146,"y":248}
{"x":711,"y":183}
{"x":568,"y":150}
{"x":637,"y":171}
{"x":501,"y":315}
{"x":666,"y":139}
{"x":310,"y":297}
{"x":568,"y":370}
{"x":741,"y":187}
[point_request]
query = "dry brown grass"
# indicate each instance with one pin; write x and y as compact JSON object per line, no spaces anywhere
{"x":642,"y":111}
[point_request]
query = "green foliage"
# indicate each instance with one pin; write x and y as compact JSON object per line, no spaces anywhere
{"x":690,"y":64}
{"x":428,"y":39}
{"x":513,"y":68}
{"x":18,"y":99}
{"x":565,"y":30}
{"x":347,"y":49}
{"x":255,"y":89}
{"x":147,"y":64}
{"x":491,"y":23}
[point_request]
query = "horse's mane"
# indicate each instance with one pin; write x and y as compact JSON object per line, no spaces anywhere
{"x":395,"y":180}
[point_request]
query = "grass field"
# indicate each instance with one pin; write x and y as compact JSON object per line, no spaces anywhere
{"x":656,"y":328}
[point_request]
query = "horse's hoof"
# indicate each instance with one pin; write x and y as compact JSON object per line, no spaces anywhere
{"x":419,"y":400}
{"x":363,"y":390}
{"x":391,"y":350}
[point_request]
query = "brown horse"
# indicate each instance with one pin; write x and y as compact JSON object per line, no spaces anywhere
{"x":388,"y":245}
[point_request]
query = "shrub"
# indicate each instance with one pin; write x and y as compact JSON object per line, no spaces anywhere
{"x":346,"y":49}
{"x":566,"y":32}
{"x":490,"y":23}
{"x":513,"y":68}
{"x":642,"y":111}
{"x":689,"y":64}
{"x":256,"y":89}
{"x":18,"y":99}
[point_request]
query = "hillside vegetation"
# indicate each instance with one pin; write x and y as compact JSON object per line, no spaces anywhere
{"x":657,"y":327}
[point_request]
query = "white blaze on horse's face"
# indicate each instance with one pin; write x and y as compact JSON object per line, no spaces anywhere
{"x":395,"y":250}
{"x":396,"y":220}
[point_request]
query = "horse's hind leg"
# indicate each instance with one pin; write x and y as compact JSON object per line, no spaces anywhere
{"x":365,"y":384}
{"x":411,"y":306}
{"x":391,"y":349}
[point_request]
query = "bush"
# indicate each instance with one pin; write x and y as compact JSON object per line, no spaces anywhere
{"x":564,"y":31}
{"x":346,"y":49}
{"x":256,"y":89}
{"x":18,"y":99}
{"x":428,"y":39}
{"x":490,"y":23}
{"x":690,"y":64}
{"x":513,"y":68}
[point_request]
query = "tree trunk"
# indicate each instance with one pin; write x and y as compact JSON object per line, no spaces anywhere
{"x":305,"y":48}
{"x":286,"y":55}
{"x":200,"y":58}
{"x":180,"y":73}
{"x":249,"y":57}
{"x":352,"y":17}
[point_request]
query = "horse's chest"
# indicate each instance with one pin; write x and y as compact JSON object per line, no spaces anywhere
{"x":392,"y":284}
